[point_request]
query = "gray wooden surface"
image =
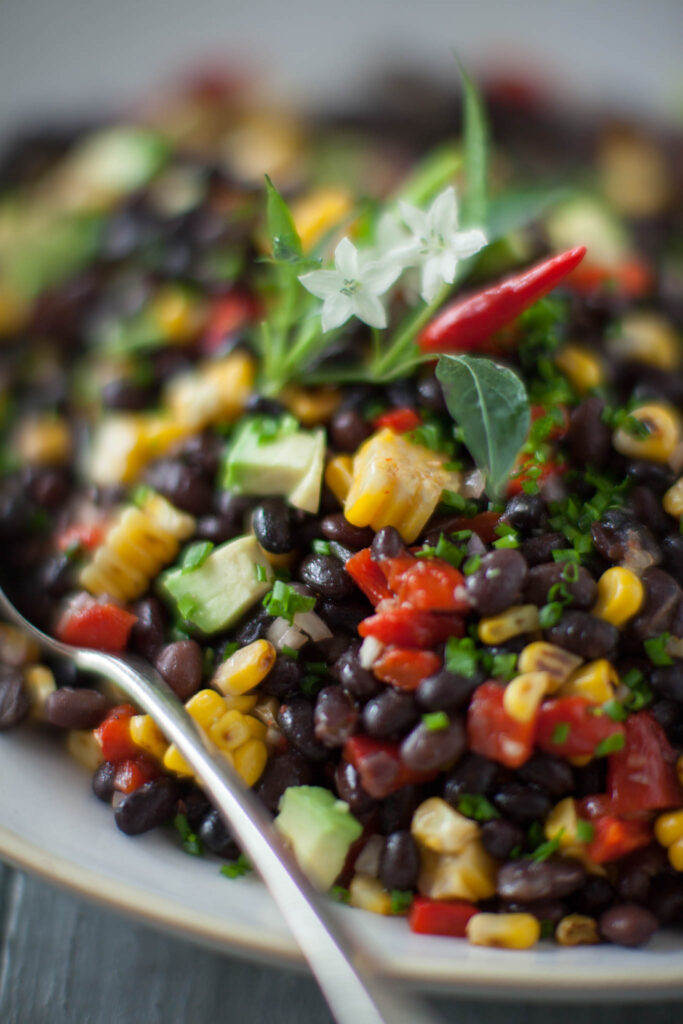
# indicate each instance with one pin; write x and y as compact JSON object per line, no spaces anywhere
{"x":65,"y":962}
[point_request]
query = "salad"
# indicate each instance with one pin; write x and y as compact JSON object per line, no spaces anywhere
{"x":369,"y":436}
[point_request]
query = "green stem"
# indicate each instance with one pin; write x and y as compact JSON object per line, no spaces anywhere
{"x":406,"y":334}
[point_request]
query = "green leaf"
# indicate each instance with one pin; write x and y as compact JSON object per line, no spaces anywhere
{"x":476,"y":147}
{"x":490,"y":405}
{"x":283,"y":235}
{"x":475,"y":805}
{"x":515,"y":209}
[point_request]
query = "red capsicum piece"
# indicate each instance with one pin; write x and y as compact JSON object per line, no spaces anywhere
{"x":467,"y":324}
{"x":405,"y":668}
{"x":229,"y":314}
{"x":132,"y":773}
{"x":632,"y":278}
{"x":113,"y":735}
{"x":406,"y":627}
{"x":642,"y":776}
{"x":81,"y":535}
{"x":106,"y":627}
{"x":574,"y":727}
{"x":440,"y":917}
{"x":398,"y":420}
{"x":368,"y":576}
{"x":614,"y":838}
{"x":428,"y":585}
{"x":495,"y":734}
{"x":483,"y":524}
{"x":379,"y":765}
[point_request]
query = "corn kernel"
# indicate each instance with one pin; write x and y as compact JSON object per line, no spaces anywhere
{"x":584,"y":369}
{"x":250,"y":760}
{"x":672,"y":502}
{"x":311,"y":406}
{"x":562,"y":823}
{"x":669,"y":827}
{"x":211,"y":392}
{"x":205,"y":707}
{"x":39,"y":683}
{"x":43,"y":440}
{"x":179,"y":315}
{"x":555,"y":662}
{"x":319,"y":212}
{"x":230,"y":731}
{"x":244,"y":702}
{"x":84,"y":748}
{"x":124,"y":442}
{"x":437,"y":826}
{"x":468,"y":875}
{"x":663,"y":440}
{"x":16,"y":648}
{"x":367,"y":893}
{"x":647,"y":337}
{"x":523,"y":695}
{"x":577,"y":930}
{"x":507,"y":931}
{"x":496,"y":629}
{"x":676,"y":854}
{"x":257,"y":729}
{"x":174,"y":761}
{"x":339,"y":476}
{"x":597,"y":681}
{"x":245,"y":669}
{"x":620,"y":595}
{"x":147,"y":735}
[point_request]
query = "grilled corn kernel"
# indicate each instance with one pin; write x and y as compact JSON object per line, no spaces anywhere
{"x":124,"y":442}
{"x":496,"y":629}
{"x":250,"y":760}
{"x":230,"y":731}
{"x":664,"y":427}
{"x":16,"y":648}
{"x":523,"y":695}
{"x":620,"y":595}
{"x":147,"y":735}
{"x":245,"y":702}
{"x":368,"y":893}
{"x":311,"y":406}
{"x":179,"y":315}
{"x":562,"y":823}
{"x":257,"y":728}
{"x":649,"y":338}
{"x":211,"y":392}
{"x":669,"y":827}
{"x":84,"y":748}
{"x":577,"y":930}
{"x":339,"y":476}
{"x":43,"y":440}
{"x":396,"y":483}
{"x":319,"y":212}
{"x":39,"y":683}
{"x":672,"y":502}
{"x":584,"y":369}
{"x":507,"y":931}
{"x":597,"y":681}
{"x":554,"y":661}
{"x":439,"y":827}
{"x":468,"y":875}
{"x":676,"y":855}
{"x":245,"y":669}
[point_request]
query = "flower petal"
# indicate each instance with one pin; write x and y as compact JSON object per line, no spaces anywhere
{"x":466,"y":243}
{"x":443,"y":213}
{"x":369,"y":309}
{"x":322,"y":283}
{"x":431,"y":278}
{"x":414,"y":218}
{"x":346,"y":259}
{"x":379,"y":275}
{"x":336,"y":311}
{"x":447,"y":262}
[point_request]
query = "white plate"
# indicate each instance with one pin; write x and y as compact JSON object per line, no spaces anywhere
{"x":52,"y":825}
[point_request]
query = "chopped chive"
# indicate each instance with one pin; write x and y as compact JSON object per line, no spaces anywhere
{"x":471,"y":565}
{"x":585,"y":831}
{"x":192,"y":844}
{"x":195,"y":555}
{"x":236,"y":868}
{"x":477,"y":806}
{"x":289,"y":651}
{"x":615,"y":710}
{"x":550,"y":614}
{"x":656,"y":651}
{"x":322,"y":547}
{"x":401,"y":901}
{"x":340,"y":894}
{"x":560,"y":733}
{"x":261,"y":574}
{"x":610,"y":745}
{"x":436,"y":721}
{"x":230,"y":649}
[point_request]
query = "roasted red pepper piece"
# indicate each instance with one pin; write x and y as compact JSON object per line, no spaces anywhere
{"x":492,"y":732}
{"x":614,"y":838}
{"x":483,"y":524}
{"x":132,"y":773}
{"x":379,"y":765}
{"x":368,"y":576}
{"x":633,"y":278}
{"x":430,"y":585}
{"x":113,"y":735}
{"x":398,"y":420}
{"x":81,"y":535}
{"x":467,"y":324}
{"x":440,"y":917}
{"x":105,"y":627}
{"x":406,"y":627}
{"x":570,"y":727}
{"x":406,"y":667}
{"x":229,"y":314}
{"x":642,"y":776}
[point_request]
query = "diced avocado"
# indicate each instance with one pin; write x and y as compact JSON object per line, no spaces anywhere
{"x":118,"y":159}
{"x":320,"y":829}
{"x":217,"y":593}
{"x":286,"y":462}
{"x":585,"y":220}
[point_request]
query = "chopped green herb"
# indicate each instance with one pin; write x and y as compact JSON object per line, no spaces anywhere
{"x":339,"y":894}
{"x":655,"y":648}
{"x":585,"y":831}
{"x":535,"y":835}
{"x":477,"y":806}
{"x":434,"y":435}
{"x":284,"y":601}
{"x":461,"y":656}
{"x":504,"y":666}
{"x":455,"y":501}
{"x":547,"y":849}
{"x":289,"y":651}
{"x":568,"y":555}
{"x":450,"y":553}
{"x":401,"y":901}
{"x":615,"y":710}
{"x":322,"y":547}
{"x":610,"y":745}
{"x":561,"y":733}
{"x":230,"y":649}
{"x":550,"y":614}
{"x":260,"y":573}
{"x":436,"y":721}
{"x":547,"y":928}
{"x":192,"y":844}
{"x":195,"y":555}
{"x":570,"y":572}
{"x":471,"y":565}
{"x":141,"y":494}
{"x":310,"y":685}
{"x":208,"y":661}
{"x":510,"y":541}
{"x":640,"y":694}
{"x":236,"y":868}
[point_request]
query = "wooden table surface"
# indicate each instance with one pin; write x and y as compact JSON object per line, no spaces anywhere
{"x":63,"y":961}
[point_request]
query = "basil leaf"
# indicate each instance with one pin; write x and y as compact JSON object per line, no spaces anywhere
{"x":476,"y":149}
{"x":489,"y":403}
{"x":283,"y":235}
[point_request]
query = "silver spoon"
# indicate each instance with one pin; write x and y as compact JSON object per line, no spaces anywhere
{"x":348,"y":975}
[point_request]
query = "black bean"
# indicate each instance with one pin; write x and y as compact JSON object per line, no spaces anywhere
{"x":337,"y":527}
{"x":594,"y":896}
{"x":672,"y":555}
{"x":283,"y":679}
{"x":522,"y":803}
{"x":151,"y":805}
{"x":474,"y":774}
{"x":217,"y":529}
{"x":500,"y":837}
{"x":552,"y":775}
{"x":627,"y":924}
{"x":430,"y":395}
{"x":525,"y":512}
{"x":296,"y":721}
{"x":14,"y":700}
{"x":387,"y":543}
{"x":540,"y":549}
{"x":340,"y":551}
{"x":203,"y":452}
{"x":181,"y":664}
{"x":122,"y":393}
{"x":75,"y":709}
{"x":589,"y":438}
{"x":620,"y":539}
{"x":591,"y":778}
{"x":650,"y":474}
{"x":48,"y":486}
{"x":637,"y":871}
{"x":390,"y":714}
{"x":348,"y":786}
{"x":667,"y":712}
{"x":399,"y":862}
{"x":335,"y":716}
{"x":273,"y":526}
{"x":195,"y":806}
{"x":264,"y":406}
{"x":103,"y":781}
{"x":281,"y":772}
{"x":667,"y":681}
{"x":234,"y":509}
{"x":542,"y":578}
{"x":16,"y":511}
{"x":56,"y":575}
{"x":353,"y":677}
{"x":662,"y":595}
{"x":540,"y":880}
{"x":396,"y":811}
{"x":184,"y":486}
{"x":426,"y":750}
{"x":345,"y":614}
{"x":253,"y":628}
{"x":543,"y":910}
{"x":348,"y":430}
{"x":647,"y":507}
{"x":665,"y":899}
{"x":447,"y":691}
{"x":584,"y":635}
{"x":216,"y":837}
{"x":147,"y":635}
{"x":497,"y":583}
{"x":325,"y":575}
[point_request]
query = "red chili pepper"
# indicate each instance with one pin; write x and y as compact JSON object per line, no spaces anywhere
{"x":368,"y":576}
{"x":642,"y":776}
{"x":132,"y":773}
{"x":467,"y":324}
{"x":81,"y":535}
{"x":398,"y":420}
{"x":406,"y":627}
{"x":495,"y":734}
{"x":379,"y":766}
{"x":440,"y":917}
{"x":105,"y":627}
{"x":427,"y":585}
{"x":614,"y":838}
{"x":570,"y":727}
{"x":632,"y":278}
{"x":113,"y":734}
{"x":405,"y":668}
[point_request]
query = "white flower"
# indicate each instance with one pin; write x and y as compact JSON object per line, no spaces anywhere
{"x":436,"y":244}
{"x":352,"y":288}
